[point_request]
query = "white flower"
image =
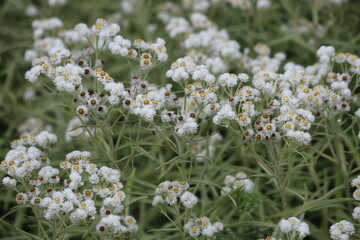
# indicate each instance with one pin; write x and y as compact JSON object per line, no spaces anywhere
{"x":110,"y":175}
{"x":186,"y":126}
{"x":209,"y":231}
{"x":243,"y":77}
{"x":33,"y":74}
{"x":31,"y":10}
{"x":219,"y":226}
{"x":300,"y":136}
{"x":45,"y":138}
{"x":194,"y":231}
{"x":356,"y":194}
{"x":157,"y":200}
{"x":177,"y":74}
{"x":295,"y":225}
{"x":176,"y":26}
{"x":113,"y":100}
{"x":93,"y":178}
{"x":116,"y":89}
{"x":225,"y":112}
{"x":21,"y":198}
{"x":82,"y":29}
{"x":9,"y":182}
{"x":76,"y":180}
{"x":356,"y":213}
{"x":325,"y":53}
{"x":170,"y":199}
{"x":48,"y":172}
{"x":341,"y":230}
{"x":357,"y":113}
{"x":303,"y":229}
{"x":239,"y":181}
{"x":227,"y":79}
{"x":356,"y":182}
{"x":188,"y":199}
{"x":147,"y":112}
{"x":47,"y":24}
{"x":248,"y":185}
{"x":285,"y":226}
{"x":202,"y":226}
{"x":78,"y":215}
{"x":30,"y":55}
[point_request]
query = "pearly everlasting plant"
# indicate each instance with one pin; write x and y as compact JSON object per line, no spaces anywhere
{"x":251,"y":104}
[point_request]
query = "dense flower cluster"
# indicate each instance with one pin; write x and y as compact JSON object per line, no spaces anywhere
{"x":202,"y":227}
{"x":239,"y":181}
{"x":169,"y":193}
{"x":26,"y":156}
{"x":356,"y":183}
{"x":69,"y":192}
{"x":342,"y":230}
{"x":294,"y":225}
{"x":267,"y":105}
{"x":113,"y":225}
{"x":252,"y":91}
{"x":204,"y":42}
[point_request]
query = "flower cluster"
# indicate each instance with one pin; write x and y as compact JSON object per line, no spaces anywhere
{"x":113,"y":225}
{"x":341,"y":230}
{"x":356,"y":183}
{"x":344,"y":229}
{"x":239,"y":181}
{"x":260,"y":59}
{"x":149,"y":53}
{"x":26,"y":156}
{"x":266,"y":105}
{"x":202,"y":227}
{"x":169,"y":192}
{"x":71,"y":72}
{"x":252,"y":91}
{"x":294,"y":227}
{"x":69,"y":192}
{"x":48,"y":33}
{"x":208,"y":46}
{"x":293,"y":98}
{"x":40,"y":26}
